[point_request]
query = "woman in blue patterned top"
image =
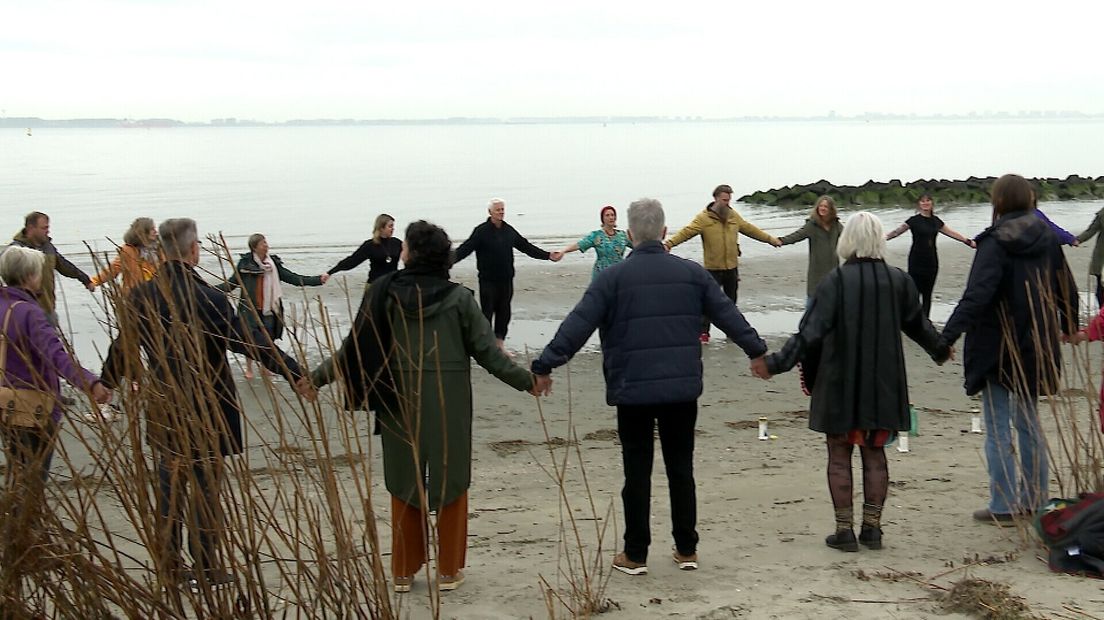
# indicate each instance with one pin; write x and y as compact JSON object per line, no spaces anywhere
{"x":608,"y":242}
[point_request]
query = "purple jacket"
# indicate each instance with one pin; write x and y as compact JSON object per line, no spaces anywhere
{"x":1064,"y":236}
{"x":36,"y":358}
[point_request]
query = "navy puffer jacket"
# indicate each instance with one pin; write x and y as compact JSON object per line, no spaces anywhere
{"x":648,"y":312}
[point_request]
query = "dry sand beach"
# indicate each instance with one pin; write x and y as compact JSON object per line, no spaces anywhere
{"x":763,"y":505}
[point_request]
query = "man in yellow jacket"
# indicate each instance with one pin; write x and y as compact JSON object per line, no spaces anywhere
{"x":720,"y":227}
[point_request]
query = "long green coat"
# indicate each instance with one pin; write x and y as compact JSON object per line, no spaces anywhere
{"x":436,"y":330}
{"x":1097,"y":227}
{"x":822,"y":250}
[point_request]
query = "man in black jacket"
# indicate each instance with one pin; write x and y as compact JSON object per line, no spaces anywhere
{"x":648,"y":311}
{"x":184,"y":327}
{"x":494,"y":242}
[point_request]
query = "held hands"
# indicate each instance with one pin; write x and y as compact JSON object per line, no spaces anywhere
{"x":759,"y":367}
{"x":555,"y":256}
{"x":91,"y":287}
{"x":1075,"y":337}
{"x":776,"y":242}
{"x":101,"y":394}
{"x":324,"y":277}
{"x":542,"y":385}
{"x":305,"y":388}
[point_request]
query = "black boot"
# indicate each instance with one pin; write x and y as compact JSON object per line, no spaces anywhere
{"x":844,"y":540}
{"x":871,"y":537}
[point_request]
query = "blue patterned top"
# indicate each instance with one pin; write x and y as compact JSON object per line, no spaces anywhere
{"x":610,"y":249}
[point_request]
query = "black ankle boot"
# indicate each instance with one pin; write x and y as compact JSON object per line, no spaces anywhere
{"x":871,"y":537}
{"x":844,"y":540}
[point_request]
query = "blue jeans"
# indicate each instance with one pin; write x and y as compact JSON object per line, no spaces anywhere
{"x":1004,"y":410}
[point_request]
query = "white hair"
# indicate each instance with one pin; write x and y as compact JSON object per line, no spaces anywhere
{"x":862,"y":237}
{"x":19,"y":265}
{"x":646,"y":220}
{"x":495,"y":201}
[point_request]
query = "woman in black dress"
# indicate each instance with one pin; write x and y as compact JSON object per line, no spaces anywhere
{"x":381,"y":251}
{"x":923,"y":260}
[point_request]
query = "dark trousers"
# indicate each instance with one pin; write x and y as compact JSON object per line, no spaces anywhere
{"x":925,"y":283}
{"x":636,"y":429}
{"x":1099,"y":292}
{"x":729,"y":281}
{"x":494,"y":300}
{"x":188,"y":492}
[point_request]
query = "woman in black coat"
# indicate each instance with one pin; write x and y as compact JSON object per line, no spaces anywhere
{"x":849,"y":343}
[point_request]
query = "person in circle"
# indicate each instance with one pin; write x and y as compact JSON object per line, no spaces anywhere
{"x":923,"y":260}
{"x":609,"y":242}
{"x":822,"y":229}
{"x":382,"y":251}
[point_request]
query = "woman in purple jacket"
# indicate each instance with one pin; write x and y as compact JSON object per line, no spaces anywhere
{"x":35,"y":359}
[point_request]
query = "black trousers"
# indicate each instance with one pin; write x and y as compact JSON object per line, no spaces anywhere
{"x":729,"y":281}
{"x":494,"y":300}
{"x":636,"y":428}
{"x":925,"y":283}
{"x":1099,"y":292}
{"x":188,"y":492}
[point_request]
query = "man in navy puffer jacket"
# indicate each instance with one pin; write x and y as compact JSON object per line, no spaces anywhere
{"x":648,"y":312}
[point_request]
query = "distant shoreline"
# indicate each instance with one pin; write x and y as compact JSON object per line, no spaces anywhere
{"x":873,"y":117}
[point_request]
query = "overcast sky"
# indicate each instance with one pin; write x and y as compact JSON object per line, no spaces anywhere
{"x":196,"y":60}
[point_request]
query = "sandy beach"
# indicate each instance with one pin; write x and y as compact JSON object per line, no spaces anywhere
{"x":763,"y":506}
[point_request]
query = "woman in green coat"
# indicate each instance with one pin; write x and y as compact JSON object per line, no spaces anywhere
{"x":1097,"y":262}
{"x":408,"y":358}
{"x":261,"y":307}
{"x":822,"y":229}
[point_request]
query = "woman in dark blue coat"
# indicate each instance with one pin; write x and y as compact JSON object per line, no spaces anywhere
{"x":1019,"y":296}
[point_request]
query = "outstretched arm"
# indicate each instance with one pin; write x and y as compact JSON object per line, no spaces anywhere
{"x":957,"y":236}
{"x":897,"y":232}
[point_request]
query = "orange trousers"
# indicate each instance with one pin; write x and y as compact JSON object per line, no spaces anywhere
{"x":410,"y":541}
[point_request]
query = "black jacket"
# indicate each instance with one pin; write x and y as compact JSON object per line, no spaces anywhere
{"x":382,"y":257}
{"x":1019,"y":280}
{"x":494,"y":250}
{"x":850,"y":341}
{"x":250,"y":277}
{"x":185,"y":326}
{"x":648,"y":311}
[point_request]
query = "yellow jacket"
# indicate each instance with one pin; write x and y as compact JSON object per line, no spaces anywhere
{"x":130,"y":263}
{"x":720,"y":240}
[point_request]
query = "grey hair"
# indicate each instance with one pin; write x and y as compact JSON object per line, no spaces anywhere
{"x":177,"y":236}
{"x":646,"y":220}
{"x":495,"y":201}
{"x":18,"y":265}
{"x":862,"y":237}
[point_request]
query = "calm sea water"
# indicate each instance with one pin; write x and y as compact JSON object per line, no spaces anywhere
{"x":315,"y":191}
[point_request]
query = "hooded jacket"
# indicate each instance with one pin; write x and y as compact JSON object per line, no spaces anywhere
{"x":720,"y":239}
{"x":433,"y":329}
{"x":54,"y":262}
{"x":1020,"y":294}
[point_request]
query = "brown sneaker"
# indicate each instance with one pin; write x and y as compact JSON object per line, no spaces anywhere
{"x":685,"y":562}
{"x":448,"y":583}
{"x":622,"y":563}
{"x":403,"y":584}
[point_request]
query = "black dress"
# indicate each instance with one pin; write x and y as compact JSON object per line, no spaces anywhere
{"x":923,"y":260}
{"x":383,"y":258}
